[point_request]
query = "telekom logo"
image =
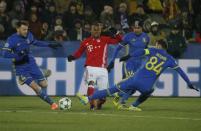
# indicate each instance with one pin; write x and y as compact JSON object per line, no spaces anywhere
{"x":90,"y":48}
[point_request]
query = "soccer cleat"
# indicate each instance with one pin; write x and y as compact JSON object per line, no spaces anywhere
{"x":116,"y":99}
{"x":54,"y":106}
{"x":133,"y":108}
{"x":83,"y":99}
{"x":46,"y":72}
{"x":122,"y":107}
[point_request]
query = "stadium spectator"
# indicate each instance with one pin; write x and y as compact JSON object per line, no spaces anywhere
{"x":139,"y":14}
{"x":45,"y":31}
{"x":35,"y":26}
{"x":107,"y":16}
{"x":2,"y":32}
{"x":24,"y":5}
{"x":70,"y":16}
{"x":171,"y":11}
{"x":3,"y":14}
{"x":12,"y":26}
{"x":60,"y":36}
{"x":186,"y":21}
{"x":16,"y":12}
{"x":122,"y":16}
{"x":80,"y":31}
{"x":198,"y":37}
{"x":90,"y":10}
{"x":75,"y":33}
{"x":96,"y":73}
{"x":4,"y":18}
{"x":153,"y":6}
{"x":57,"y":34}
{"x":86,"y":30}
{"x":33,"y":10}
{"x":185,"y":5}
{"x":89,"y":15}
{"x":132,"y":5}
{"x":198,"y":28}
{"x":98,"y":5}
{"x":49,"y":15}
{"x":155,"y":34}
{"x":61,"y":5}
{"x":176,"y":42}
{"x":59,"y":21}
{"x":80,"y":7}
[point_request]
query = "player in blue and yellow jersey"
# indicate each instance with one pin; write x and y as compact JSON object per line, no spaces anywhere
{"x":132,"y":41}
{"x":17,"y":48}
{"x":143,"y":80}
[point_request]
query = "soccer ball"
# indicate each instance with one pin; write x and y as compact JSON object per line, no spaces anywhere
{"x":65,"y":103}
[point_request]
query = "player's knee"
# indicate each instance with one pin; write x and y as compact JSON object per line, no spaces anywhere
{"x":149,"y":92}
{"x":43,"y":84}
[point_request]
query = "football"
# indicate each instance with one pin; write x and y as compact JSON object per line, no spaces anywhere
{"x":65,"y":103}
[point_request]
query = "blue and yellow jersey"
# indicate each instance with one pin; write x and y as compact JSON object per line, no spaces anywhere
{"x":156,"y":62}
{"x":17,"y":44}
{"x":135,"y":42}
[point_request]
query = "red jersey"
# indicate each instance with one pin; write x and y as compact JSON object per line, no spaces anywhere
{"x":96,"y":50}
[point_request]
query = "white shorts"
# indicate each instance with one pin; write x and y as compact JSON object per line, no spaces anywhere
{"x":97,"y":74}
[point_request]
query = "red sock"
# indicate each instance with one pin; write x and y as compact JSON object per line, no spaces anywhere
{"x":90,"y":91}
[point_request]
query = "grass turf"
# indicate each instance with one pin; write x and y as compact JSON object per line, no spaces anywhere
{"x":162,"y":114}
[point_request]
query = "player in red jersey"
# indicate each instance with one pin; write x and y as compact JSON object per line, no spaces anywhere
{"x":96,"y":73}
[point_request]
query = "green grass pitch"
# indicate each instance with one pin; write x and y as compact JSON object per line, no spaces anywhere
{"x":159,"y":114}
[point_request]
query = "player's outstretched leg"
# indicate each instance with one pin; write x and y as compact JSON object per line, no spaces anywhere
{"x":90,"y":92}
{"x":143,"y":97}
{"x":122,"y":102}
{"x":42,"y":94}
{"x":97,"y":95}
{"x":116,"y":98}
{"x":100,"y":102}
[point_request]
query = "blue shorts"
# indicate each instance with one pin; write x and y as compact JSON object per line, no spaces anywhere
{"x":29,"y":72}
{"x":136,"y":84}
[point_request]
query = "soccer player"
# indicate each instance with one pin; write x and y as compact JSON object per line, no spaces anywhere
{"x":96,"y":73}
{"x":143,"y":80}
{"x":18,"y":48}
{"x":134,"y":41}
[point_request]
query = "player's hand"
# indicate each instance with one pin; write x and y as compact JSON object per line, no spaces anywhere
{"x":55,"y":45}
{"x":110,"y":66}
{"x":71,"y":58}
{"x":193,"y":87}
{"x":124,"y":58}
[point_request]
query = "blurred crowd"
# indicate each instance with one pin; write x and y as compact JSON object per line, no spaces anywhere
{"x":63,"y":20}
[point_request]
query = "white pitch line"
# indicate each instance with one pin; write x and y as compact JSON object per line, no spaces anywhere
{"x":102,"y":114}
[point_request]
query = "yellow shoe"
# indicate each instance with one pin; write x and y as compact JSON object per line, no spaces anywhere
{"x":116,"y":99}
{"x":122,"y":107}
{"x":132,"y":108}
{"x":83,"y":99}
{"x":46,"y":72}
